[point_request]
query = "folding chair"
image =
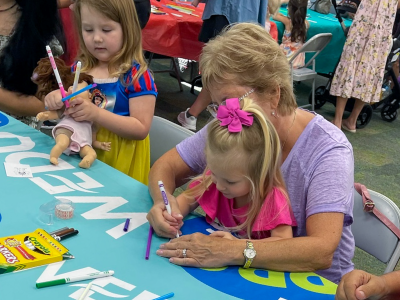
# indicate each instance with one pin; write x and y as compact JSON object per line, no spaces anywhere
{"x":314,"y":45}
{"x":165,"y":135}
{"x":371,"y":234}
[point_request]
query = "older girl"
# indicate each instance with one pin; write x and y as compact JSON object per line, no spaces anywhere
{"x":111,"y":51}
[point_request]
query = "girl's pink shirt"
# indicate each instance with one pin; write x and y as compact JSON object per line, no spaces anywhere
{"x":275,"y":211}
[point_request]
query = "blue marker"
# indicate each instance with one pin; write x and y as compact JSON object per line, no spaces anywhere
{"x":78,"y":92}
{"x":166,"y":296}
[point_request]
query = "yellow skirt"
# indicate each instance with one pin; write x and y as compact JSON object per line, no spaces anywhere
{"x":131,"y":157}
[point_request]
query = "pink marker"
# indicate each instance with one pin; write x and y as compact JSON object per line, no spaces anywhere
{"x":53,"y":64}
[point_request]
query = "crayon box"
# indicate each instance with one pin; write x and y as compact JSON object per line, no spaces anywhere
{"x":23,"y":251}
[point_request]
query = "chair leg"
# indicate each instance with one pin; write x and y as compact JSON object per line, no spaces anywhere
{"x":313,"y":95}
{"x":178,"y":77}
{"x":150,"y":58}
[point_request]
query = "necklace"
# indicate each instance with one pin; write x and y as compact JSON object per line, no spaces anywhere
{"x":287,"y":134}
{"x":6,"y":9}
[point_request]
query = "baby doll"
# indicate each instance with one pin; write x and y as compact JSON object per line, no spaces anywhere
{"x":70,"y":135}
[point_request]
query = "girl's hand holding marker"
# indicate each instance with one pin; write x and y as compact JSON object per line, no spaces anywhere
{"x":168,"y":213}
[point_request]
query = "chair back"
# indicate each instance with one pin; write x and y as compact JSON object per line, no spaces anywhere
{"x":315,"y":45}
{"x":371,"y":235}
{"x":165,"y":135}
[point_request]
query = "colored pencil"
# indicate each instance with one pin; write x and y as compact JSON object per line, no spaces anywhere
{"x":55,"y":70}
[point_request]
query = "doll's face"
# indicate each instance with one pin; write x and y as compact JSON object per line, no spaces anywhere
{"x":97,"y":100}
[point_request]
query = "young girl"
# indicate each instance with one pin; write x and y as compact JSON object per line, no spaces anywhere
{"x":111,"y":51}
{"x":242,"y":187}
{"x":272,"y":8}
{"x":295,"y":33}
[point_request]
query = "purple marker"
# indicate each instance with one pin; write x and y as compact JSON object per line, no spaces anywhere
{"x":165,"y":198}
{"x":126,"y":226}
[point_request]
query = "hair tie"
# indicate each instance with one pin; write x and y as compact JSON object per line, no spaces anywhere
{"x":232,"y":116}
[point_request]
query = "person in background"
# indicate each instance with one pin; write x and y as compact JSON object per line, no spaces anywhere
{"x":360,"y":285}
{"x":317,"y":165}
{"x":217,"y":15}
{"x":242,"y":187}
{"x":361,"y":68}
{"x":143,"y":10}
{"x":26,"y":27}
{"x":272,"y":9}
{"x":111,"y":51}
{"x":295,"y":33}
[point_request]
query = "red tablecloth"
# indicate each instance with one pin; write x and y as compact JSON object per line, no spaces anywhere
{"x":174,"y":34}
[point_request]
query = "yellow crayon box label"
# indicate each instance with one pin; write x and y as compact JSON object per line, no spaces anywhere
{"x":29,"y":250}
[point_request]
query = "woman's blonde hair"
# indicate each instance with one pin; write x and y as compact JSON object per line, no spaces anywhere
{"x":256,"y":148}
{"x":273,"y":6}
{"x":245,"y":54}
{"x":124,"y":13}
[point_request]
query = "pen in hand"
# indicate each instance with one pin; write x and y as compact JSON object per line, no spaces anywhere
{"x":165,"y":198}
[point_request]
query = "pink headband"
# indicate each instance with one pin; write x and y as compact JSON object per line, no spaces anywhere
{"x":232,"y":116}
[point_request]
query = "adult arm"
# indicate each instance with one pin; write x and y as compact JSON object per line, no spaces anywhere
{"x":18,"y":104}
{"x":358,"y":285}
{"x":309,"y":253}
{"x":281,"y":18}
{"x":174,"y":172}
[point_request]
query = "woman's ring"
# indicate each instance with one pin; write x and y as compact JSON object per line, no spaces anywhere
{"x":184,"y":253}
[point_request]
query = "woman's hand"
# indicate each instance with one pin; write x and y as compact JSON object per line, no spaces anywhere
{"x":358,"y":285}
{"x":53,"y":100}
{"x":201,"y":251}
{"x":164,"y":224}
{"x":82,"y":110}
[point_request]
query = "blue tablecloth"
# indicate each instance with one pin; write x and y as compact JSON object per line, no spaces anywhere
{"x":320,"y":23}
{"x":103,"y":199}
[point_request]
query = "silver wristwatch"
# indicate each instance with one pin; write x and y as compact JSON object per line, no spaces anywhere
{"x":249,"y":254}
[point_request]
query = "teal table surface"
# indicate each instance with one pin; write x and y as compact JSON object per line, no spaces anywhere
{"x":319,"y":23}
{"x":103,"y":199}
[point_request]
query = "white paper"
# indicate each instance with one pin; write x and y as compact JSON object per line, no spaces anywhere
{"x":18,"y":170}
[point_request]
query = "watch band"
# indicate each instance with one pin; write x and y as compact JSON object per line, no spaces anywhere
{"x":249,"y":245}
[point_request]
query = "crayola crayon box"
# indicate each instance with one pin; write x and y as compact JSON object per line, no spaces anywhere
{"x":29,"y":250}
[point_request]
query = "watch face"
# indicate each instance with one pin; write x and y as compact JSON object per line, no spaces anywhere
{"x":250,"y":253}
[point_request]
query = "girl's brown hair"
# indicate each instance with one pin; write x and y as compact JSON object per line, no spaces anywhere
{"x":297,"y":10}
{"x":124,"y":13}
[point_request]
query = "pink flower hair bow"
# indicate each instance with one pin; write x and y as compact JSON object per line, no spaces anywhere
{"x":232,"y":116}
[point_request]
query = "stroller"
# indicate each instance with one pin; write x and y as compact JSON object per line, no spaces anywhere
{"x":390,"y":100}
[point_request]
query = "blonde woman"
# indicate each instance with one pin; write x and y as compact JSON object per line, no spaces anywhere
{"x":317,"y":165}
{"x":111,"y":51}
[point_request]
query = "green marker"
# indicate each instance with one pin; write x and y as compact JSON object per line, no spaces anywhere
{"x":73,"y":279}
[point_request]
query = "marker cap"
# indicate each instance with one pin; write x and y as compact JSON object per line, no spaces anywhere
{"x":49,"y":283}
